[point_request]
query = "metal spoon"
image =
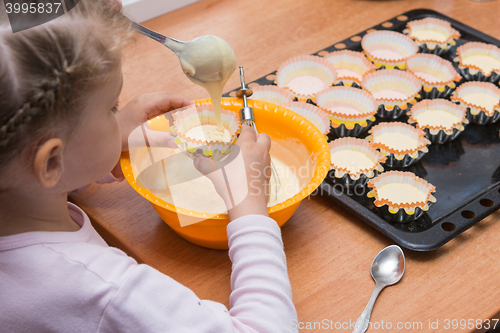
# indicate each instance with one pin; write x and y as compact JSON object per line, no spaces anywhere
{"x":387,"y":269}
{"x":204,"y":59}
{"x":152,"y":34}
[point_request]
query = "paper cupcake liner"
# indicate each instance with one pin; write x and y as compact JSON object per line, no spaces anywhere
{"x":342,"y":127}
{"x":358,"y":145}
{"x":388,"y":48}
{"x":440,"y":134}
{"x":401,"y":212}
{"x":272,"y":94}
{"x":350,"y":66}
{"x":306,"y":65}
{"x":479,"y":114}
{"x":474,"y":72}
{"x":429,"y":45}
{"x":437,"y":76}
{"x":315,"y":115}
{"x":199,"y":115}
{"x":397,"y":157}
{"x":405,"y":87}
{"x":335,"y":100}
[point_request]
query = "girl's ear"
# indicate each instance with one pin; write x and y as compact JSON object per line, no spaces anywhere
{"x":48,"y":164}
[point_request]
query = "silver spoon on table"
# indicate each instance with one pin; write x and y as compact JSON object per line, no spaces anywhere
{"x":387,"y":269}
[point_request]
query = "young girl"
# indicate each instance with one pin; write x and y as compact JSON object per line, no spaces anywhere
{"x":60,"y":130}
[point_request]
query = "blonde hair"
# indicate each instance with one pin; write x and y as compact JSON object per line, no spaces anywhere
{"x":47,"y":71}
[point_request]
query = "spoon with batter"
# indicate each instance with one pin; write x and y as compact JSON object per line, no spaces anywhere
{"x":208,"y":61}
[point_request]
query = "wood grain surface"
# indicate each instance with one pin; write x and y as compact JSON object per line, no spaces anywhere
{"x":329,"y":251}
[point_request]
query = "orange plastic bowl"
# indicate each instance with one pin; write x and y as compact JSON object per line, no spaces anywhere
{"x":285,"y":128}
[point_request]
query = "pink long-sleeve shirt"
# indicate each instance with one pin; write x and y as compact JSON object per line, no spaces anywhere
{"x":74,"y":282}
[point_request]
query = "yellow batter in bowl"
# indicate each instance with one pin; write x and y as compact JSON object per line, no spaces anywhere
{"x":295,"y":141}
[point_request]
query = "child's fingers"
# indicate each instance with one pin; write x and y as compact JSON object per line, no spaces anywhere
{"x":178,"y":101}
{"x":207,"y":165}
{"x":157,"y":139}
{"x":265,"y":140}
{"x":171,"y":144}
{"x":247,"y":134}
{"x":159,"y":103}
{"x":204,"y":165}
{"x":161,"y":139}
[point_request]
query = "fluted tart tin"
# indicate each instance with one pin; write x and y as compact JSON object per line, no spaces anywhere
{"x":478,"y":61}
{"x":272,"y":94}
{"x":395,"y":91}
{"x":305,"y":76}
{"x":482,"y":100}
{"x":351,"y":110}
{"x":197,"y":131}
{"x":437,"y":75}
{"x":350,"y":67}
{"x":402,"y":144}
{"x":441,"y":119}
{"x":354,"y":161}
{"x":432,"y":35}
{"x":388,"y":49}
{"x":400,"y":196}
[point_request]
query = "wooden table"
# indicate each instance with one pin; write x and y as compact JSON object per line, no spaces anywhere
{"x":329,"y":251}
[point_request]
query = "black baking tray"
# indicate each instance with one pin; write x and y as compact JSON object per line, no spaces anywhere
{"x":466,"y":171}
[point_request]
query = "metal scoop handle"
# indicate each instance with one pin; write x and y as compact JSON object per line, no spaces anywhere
{"x":246,"y":113}
{"x":248,"y":118}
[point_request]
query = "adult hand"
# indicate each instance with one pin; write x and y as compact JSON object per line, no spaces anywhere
{"x":242,"y":178}
{"x":145,"y":107}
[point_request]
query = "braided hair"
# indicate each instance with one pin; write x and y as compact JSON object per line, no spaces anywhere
{"x":47,"y":71}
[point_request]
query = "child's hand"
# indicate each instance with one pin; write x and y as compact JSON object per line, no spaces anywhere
{"x":242,"y":178}
{"x":144,"y":107}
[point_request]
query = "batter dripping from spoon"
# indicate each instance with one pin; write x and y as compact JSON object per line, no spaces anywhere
{"x":209,"y":62}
